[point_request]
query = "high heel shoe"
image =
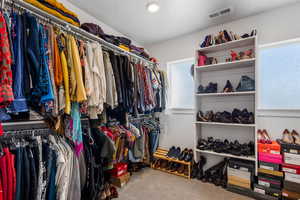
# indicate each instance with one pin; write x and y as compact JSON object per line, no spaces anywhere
{"x":296,"y":137}
{"x":260,"y":137}
{"x":287,"y":137}
{"x":266,"y":135}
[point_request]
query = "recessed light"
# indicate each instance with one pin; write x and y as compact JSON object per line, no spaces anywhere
{"x":152,"y":6}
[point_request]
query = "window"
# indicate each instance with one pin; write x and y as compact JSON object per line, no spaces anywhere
{"x":279,"y":76}
{"x":181,"y":90}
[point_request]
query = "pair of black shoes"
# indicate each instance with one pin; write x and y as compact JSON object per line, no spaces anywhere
{"x":197,"y":170}
{"x":216,"y":174}
{"x":236,"y":116}
{"x":211,"y":88}
{"x":186,"y":155}
{"x":224,"y":146}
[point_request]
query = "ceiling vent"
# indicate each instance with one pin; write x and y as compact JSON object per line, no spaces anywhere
{"x":219,"y":13}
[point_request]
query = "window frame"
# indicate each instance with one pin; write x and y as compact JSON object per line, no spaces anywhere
{"x":170,"y":106}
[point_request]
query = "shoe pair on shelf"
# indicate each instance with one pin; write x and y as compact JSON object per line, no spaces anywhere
{"x":240,"y":56}
{"x":171,"y":166}
{"x":186,"y":155}
{"x":224,"y":146}
{"x":246,"y":84}
{"x":291,"y":137}
{"x":211,"y":88}
{"x":263,"y":137}
{"x":204,"y":60}
{"x":237,"y":116}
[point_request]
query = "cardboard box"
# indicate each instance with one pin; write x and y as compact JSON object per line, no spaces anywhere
{"x":267,"y":191}
{"x":238,"y":173}
{"x":270,"y":158}
{"x":292,"y":177}
{"x":294,"y":169}
{"x":291,"y":158}
{"x":269,"y":182}
{"x":121,"y":180}
{"x":273,"y":148}
{"x":119,"y":169}
{"x":269,"y":166}
{"x":271,"y":172}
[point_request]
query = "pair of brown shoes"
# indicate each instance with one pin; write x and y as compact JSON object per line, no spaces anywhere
{"x":291,"y":137}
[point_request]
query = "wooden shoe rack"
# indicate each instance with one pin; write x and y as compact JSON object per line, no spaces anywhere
{"x":162,"y":154}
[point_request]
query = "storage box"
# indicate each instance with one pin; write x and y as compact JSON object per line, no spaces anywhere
{"x":267,"y":191}
{"x":291,"y":186}
{"x":270,"y":158}
{"x":238,"y":173}
{"x":290,"y":195}
{"x":239,"y":182}
{"x":271,"y":172}
{"x":289,"y":148}
{"x":295,"y":169}
{"x":269,"y":166}
{"x":291,"y":158}
{"x":292,"y":177}
{"x":269,"y":182}
{"x":119,"y":169}
{"x":242,"y":165}
{"x":273,"y":148}
{"x":121,"y":180}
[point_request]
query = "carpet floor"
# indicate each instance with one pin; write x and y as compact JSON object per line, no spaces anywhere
{"x":151,"y":184}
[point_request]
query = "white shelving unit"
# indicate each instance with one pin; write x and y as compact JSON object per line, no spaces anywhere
{"x":220,"y":73}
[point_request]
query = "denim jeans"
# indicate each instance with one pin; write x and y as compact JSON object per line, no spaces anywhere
{"x":19,"y":104}
{"x":154,"y":140}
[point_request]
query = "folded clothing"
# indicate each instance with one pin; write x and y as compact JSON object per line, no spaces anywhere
{"x":57,"y":9}
{"x":93,"y":29}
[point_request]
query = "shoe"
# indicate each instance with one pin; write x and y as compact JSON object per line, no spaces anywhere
{"x":209,"y":61}
{"x":228,"y":87}
{"x":226,"y":117}
{"x":246,"y":35}
{"x":189,"y":156}
{"x":181,"y":169}
{"x":194,"y":170}
{"x":201,"y":59}
{"x":114,"y":192}
{"x":296,"y":137}
{"x":227,"y":36}
{"x":209,"y":115}
{"x":202,"y":144}
{"x":211,"y":88}
{"x":164,"y":164}
{"x":234,"y":56}
{"x":266,"y":136}
{"x":183,"y":154}
{"x":253,"y":33}
{"x":246,"y":84}
{"x":200,"y":89}
{"x":260,"y":137}
{"x":217,"y":117}
{"x":201,"y":117}
{"x":176,"y":153}
{"x":287,"y":137}
{"x":171,"y":151}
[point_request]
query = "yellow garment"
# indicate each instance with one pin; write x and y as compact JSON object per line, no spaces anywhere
{"x":124,"y":47}
{"x":60,"y":6}
{"x":66,"y":82}
{"x":80,"y":90}
{"x":71,"y":71}
{"x":52,"y":12}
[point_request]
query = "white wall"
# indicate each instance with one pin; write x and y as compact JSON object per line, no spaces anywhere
{"x":272,"y":26}
{"x":86,"y":17}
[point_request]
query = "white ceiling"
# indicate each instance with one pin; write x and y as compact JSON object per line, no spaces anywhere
{"x":175,"y":17}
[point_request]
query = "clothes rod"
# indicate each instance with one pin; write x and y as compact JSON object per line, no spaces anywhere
{"x":73,"y":28}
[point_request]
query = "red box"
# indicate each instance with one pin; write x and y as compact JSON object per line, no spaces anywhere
{"x":273,"y":148}
{"x":271,"y":158}
{"x":295,"y":169}
{"x":119,"y":169}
